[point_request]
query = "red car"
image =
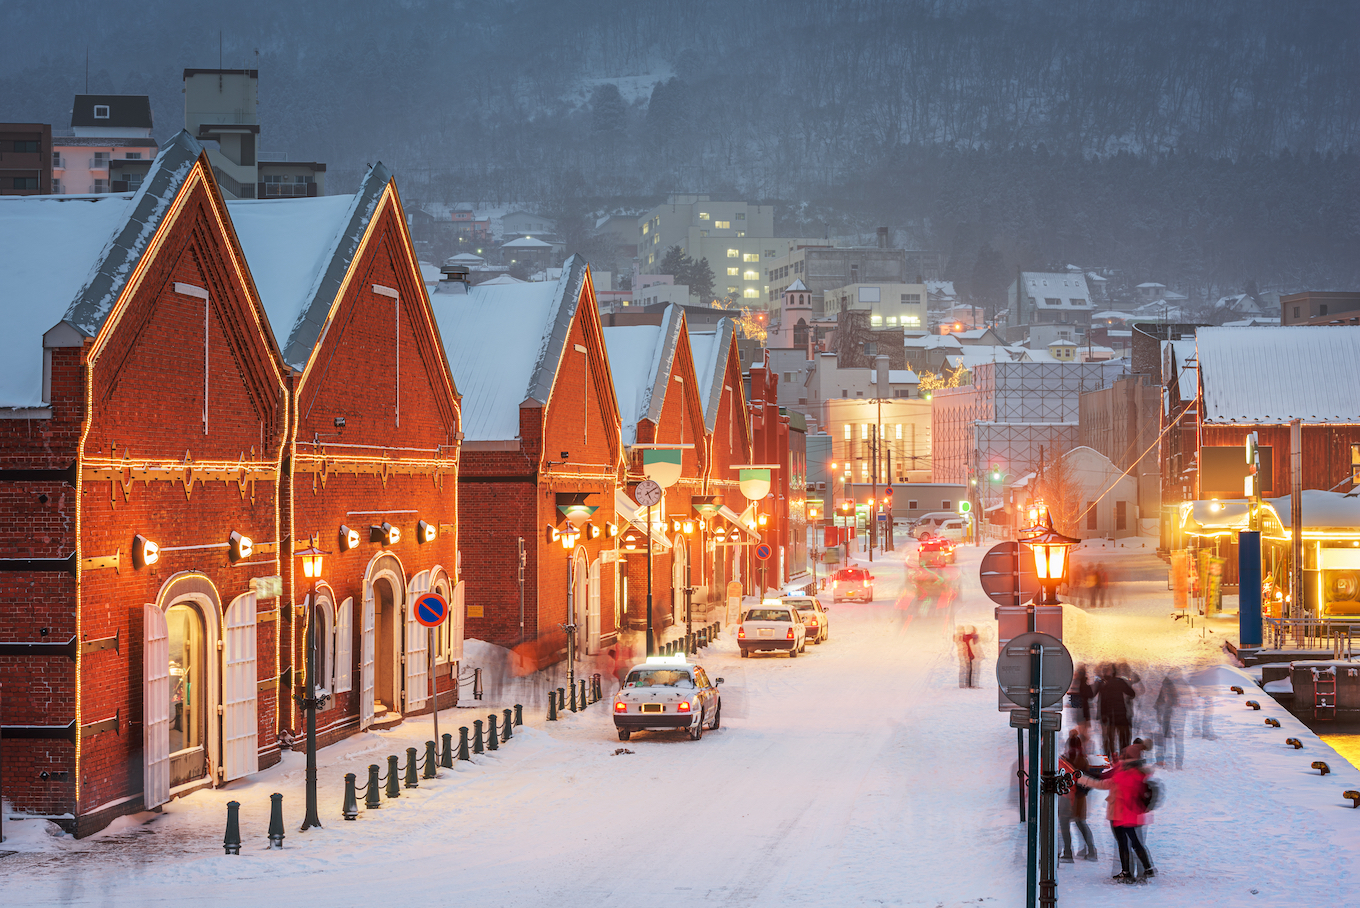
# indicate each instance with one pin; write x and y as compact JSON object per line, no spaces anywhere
{"x":852,"y":583}
{"x":935,"y":550}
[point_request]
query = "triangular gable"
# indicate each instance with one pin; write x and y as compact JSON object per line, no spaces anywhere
{"x":585,"y":316}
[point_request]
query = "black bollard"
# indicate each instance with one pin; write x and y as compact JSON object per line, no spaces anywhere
{"x":584,"y":701}
{"x":561,"y":700}
{"x":447,"y":760}
{"x":552,"y":706}
{"x":463,"y":752}
{"x":493,"y":737}
{"x":351,"y":809}
{"x":393,"y":777}
{"x":373,"y":791}
{"x":506,"y":722}
{"x":231,"y":842}
{"x":276,"y":820}
{"x":412,"y":781}
{"x":519,"y":714}
{"x":431,"y":761}
{"x":477,"y":736}
{"x":599,"y":691}
{"x":573,"y":698}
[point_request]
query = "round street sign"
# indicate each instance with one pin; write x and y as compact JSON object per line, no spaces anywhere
{"x":997,"y":573}
{"x":763,"y":551}
{"x":648,"y":493}
{"x":1013,"y":669}
{"x":431,"y":609}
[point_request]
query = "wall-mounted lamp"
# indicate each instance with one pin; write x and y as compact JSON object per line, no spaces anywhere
{"x":144,"y":551}
{"x":239,"y":547}
{"x":385,"y":534}
{"x":689,"y":527}
{"x":426,"y":532}
{"x":311,"y":562}
{"x":611,"y":530}
{"x":762,"y":520}
{"x":592,"y":531}
{"x":553,"y":534}
{"x":349,"y":539}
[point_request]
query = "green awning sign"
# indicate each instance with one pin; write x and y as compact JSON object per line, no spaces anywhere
{"x":663,"y":465}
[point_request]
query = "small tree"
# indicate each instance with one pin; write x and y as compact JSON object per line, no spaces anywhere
{"x":1058,"y":488}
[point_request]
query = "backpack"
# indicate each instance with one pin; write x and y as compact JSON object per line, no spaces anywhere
{"x":1150,"y":798}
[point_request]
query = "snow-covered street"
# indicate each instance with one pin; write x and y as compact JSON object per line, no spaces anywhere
{"x":858,"y":774}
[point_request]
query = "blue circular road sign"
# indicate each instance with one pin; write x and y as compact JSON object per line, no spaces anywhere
{"x":432,"y":609}
{"x":763,"y":551}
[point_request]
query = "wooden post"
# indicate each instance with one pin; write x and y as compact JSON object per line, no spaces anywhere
{"x":1296,"y":610}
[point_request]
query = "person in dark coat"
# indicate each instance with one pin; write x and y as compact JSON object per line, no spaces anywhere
{"x":1072,"y":806}
{"x":1081,"y":694}
{"x":1115,"y":697}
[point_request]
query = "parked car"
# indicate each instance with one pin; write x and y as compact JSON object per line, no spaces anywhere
{"x":815,"y":622}
{"x":772,"y":627}
{"x":956,"y":529}
{"x":667,"y":692}
{"x":935,"y":550}
{"x":931,"y":523}
{"x":852,"y":583}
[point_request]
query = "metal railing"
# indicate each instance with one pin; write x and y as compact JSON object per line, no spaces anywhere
{"x":1335,"y":637}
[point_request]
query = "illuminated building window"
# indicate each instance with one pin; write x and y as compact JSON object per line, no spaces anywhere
{"x":751,"y":293}
{"x":733,"y":272}
{"x":847,"y":426}
{"x":899,"y":431}
{"x":733,"y":289}
{"x":703,"y":215}
{"x":892,"y":320}
{"x":656,"y":238}
{"x":703,"y":233}
{"x":723,"y":225}
{"x":864,"y":431}
{"x":741,"y":233}
{"x":912,"y":321}
{"x":734,"y":253}
{"x":751,"y":257}
{"x":864,"y":471}
{"x":646,"y":228}
{"x":651,"y":258}
{"x":876,"y":321}
{"x":751,"y":275}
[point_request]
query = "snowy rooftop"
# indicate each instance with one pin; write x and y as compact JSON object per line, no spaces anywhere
{"x":1175,"y":355}
{"x":1068,"y":289}
{"x":902,"y":377}
{"x":503,"y":343}
{"x":1322,"y":510}
{"x":709,"y":350}
{"x":796,"y":285}
{"x":527,"y":242}
{"x":290,"y":245}
{"x":1268,"y":376}
{"x":67,"y":259}
{"x":640,"y":358}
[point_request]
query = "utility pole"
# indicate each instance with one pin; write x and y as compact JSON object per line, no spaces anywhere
{"x":873,"y":499}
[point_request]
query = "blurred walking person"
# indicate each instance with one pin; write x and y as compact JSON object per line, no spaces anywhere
{"x":1126,"y":809}
{"x":1080,"y":696}
{"x":969,"y":654}
{"x":1115,"y":696}
{"x":1072,"y":806}
{"x":1170,"y":720}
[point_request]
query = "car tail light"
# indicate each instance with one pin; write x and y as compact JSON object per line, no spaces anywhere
{"x":683,"y":707}
{"x":812,"y":622}
{"x":789,"y":636}
{"x":620,"y":706}
{"x":835,"y":583}
{"x":741,"y":633}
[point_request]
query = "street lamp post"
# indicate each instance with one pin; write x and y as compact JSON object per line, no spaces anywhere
{"x":310,"y":702}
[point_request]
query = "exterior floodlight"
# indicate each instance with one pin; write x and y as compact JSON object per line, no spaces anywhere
{"x":689,"y":527}
{"x":426,"y":532}
{"x":630,"y":541}
{"x":553,"y":534}
{"x":592,"y":531}
{"x":349,"y":539}
{"x":611,"y":529}
{"x":144,"y":551}
{"x":239,"y":547}
{"x":386,"y":534}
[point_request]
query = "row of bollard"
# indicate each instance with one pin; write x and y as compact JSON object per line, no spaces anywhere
{"x":484,"y":736}
{"x":557,"y":700}
{"x":691,"y":643}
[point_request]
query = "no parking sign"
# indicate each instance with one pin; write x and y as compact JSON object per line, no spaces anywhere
{"x":432,"y":609}
{"x":763,"y":551}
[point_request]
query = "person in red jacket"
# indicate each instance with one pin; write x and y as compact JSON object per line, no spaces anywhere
{"x":1124,"y":809}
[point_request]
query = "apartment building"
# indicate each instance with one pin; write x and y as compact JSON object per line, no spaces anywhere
{"x":822,"y":268}
{"x":25,"y":159}
{"x":109,"y":148}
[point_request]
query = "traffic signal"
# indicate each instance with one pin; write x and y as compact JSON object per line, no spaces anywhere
{"x":996,"y":475}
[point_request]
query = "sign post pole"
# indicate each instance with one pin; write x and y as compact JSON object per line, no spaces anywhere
{"x":1036,"y":673}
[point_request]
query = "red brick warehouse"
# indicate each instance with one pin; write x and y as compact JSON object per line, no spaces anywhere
{"x":144,"y":418}
{"x":665,"y":436}
{"x":541,"y":434}
{"x":371,"y":473}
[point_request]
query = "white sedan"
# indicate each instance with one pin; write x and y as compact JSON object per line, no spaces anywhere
{"x":772,"y":625}
{"x":667,"y":692}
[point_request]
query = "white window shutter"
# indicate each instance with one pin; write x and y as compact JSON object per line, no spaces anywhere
{"x":593,"y":609}
{"x":240,"y":726}
{"x":155,"y":707}
{"x":457,"y":612}
{"x":417,"y":646}
{"x":366,"y":661}
{"x":344,"y":646}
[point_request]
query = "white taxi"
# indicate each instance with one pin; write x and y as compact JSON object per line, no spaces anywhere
{"x":667,"y":692}
{"x":772,"y":625}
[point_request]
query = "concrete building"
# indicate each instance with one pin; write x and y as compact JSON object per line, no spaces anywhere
{"x":26,"y":159}
{"x":737,"y":238}
{"x":1314,"y":307}
{"x":221,"y":110}
{"x":822,"y":267}
{"x":109,"y":148}
{"x":902,"y":429}
{"x":1122,"y":423}
{"x":1106,"y":497}
{"x":889,"y":304}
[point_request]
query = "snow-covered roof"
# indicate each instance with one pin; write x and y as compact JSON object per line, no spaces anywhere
{"x":796,"y":285}
{"x":66,"y":259}
{"x":1112,"y":313}
{"x":464,"y":258}
{"x":299,"y":251}
{"x":1268,"y":376}
{"x":709,"y":350}
{"x":1068,"y":289}
{"x":932,"y":342}
{"x":940,"y":288}
{"x":1322,"y":510}
{"x":640,"y":359}
{"x":504,"y":343}
{"x":502,"y":280}
{"x":902,"y":377}
{"x":1175,"y":355}
{"x":527,"y":242}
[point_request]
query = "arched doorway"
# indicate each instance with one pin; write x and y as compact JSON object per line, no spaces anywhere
{"x":380,"y":668}
{"x":187,"y":651}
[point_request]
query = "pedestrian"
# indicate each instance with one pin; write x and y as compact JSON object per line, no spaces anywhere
{"x":1115,"y":697}
{"x":1080,"y":696}
{"x":969,"y":653}
{"x":1125,"y":809}
{"x":1170,"y":720}
{"x":1072,"y":806}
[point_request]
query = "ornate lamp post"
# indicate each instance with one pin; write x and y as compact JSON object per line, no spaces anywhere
{"x":311,"y":568}
{"x":1050,"y":555}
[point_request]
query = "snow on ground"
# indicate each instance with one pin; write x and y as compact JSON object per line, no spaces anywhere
{"x":858,"y":774}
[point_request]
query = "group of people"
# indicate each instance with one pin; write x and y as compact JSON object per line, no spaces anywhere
{"x":1113,"y":698}
{"x":1088,"y":585}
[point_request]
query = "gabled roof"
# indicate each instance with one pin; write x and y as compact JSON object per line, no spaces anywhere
{"x":64,"y":260}
{"x":131,"y":111}
{"x":1268,"y":376}
{"x":504,"y":343}
{"x":299,"y":251}
{"x":710,"y":350}
{"x":640,"y":360}
{"x":1045,"y":285}
{"x":526,"y":243}
{"x":796,"y":286}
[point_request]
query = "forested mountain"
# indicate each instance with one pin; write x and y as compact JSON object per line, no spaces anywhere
{"x":1201,"y":141}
